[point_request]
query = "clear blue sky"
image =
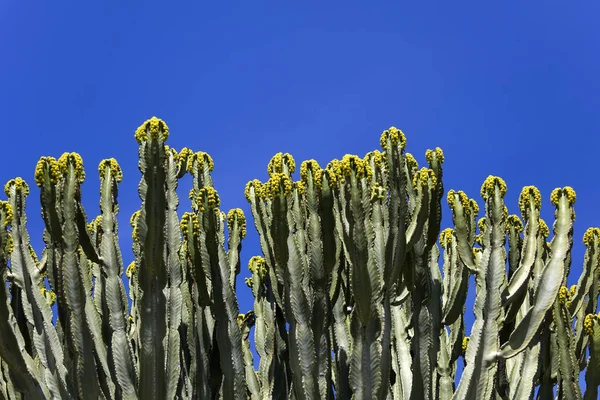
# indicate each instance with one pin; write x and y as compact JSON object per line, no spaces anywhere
{"x":504,"y":90}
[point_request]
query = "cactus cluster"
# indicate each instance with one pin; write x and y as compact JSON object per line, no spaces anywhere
{"x":358,"y":292}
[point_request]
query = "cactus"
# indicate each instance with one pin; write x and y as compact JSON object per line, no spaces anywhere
{"x":358,"y":293}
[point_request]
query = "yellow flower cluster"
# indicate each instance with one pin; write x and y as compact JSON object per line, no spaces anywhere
{"x":544,"y":231}
{"x":33,"y":255}
{"x":315,"y":171}
{"x":279,"y":184}
{"x":75,"y":158}
{"x":330,"y":176}
{"x":395,"y":136}
{"x":258,"y":265}
{"x":377,"y":157}
{"x":564,"y":296}
{"x":588,"y":323}
{"x":249,"y":282}
{"x":529,"y":195}
{"x":446,"y":237}
{"x":474,"y":207}
{"x":439,"y":155}
{"x":488,"y":187}
{"x":479,"y":239}
{"x":588,"y":236}
{"x":335,"y":169}
{"x":482,"y":223}
{"x":199,"y":160}
{"x":462,"y":197}
{"x":95,"y":223}
{"x":6,"y":208}
{"x":184,"y":224}
{"x":49,"y":295}
{"x":378,"y":192}
{"x":114,"y":167}
{"x":423,"y":176}
{"x":133,"y":222}
{"x":276,"y":164}
{"x":10,"y":245}
{"x":567,"y":191}
{"x":465,"y":343}
{"x":361,"y":168}
{"x":299,"y":186}
{"x":238,"y":214}
{"x":208,"y":198}
{"x":155,"y":127}
{"x":411,"y":162}
{"x":477,"y":250}
{"x":573,"y":290}
{"x":130,"y":270}
{"x":40,"y":169}
{"x":184,"y":154}
{"x":514,"y":222}
{"x":19,"y":184}
{"x":255,"y":185}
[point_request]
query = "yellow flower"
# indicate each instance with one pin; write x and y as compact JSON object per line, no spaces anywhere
{"x":589,"y":236}
{"x":462,"y":197}
{"x":446,"y":237}
{"x":199,"y":161}
{"x":113,"y":167}
{"x":567,"y":191}
{"x":47,"y":164}
{"x":257,"y":265}
{"x":184,"y":224}
{"x":20,"y":186}
{"x":423,"y":176}
{"x":395,"y":136}
{"x":130,"y":270}
{"x":488,"y":187}
{"x":411,"y":163}
{"x":253,"y":186}
{"x":354,"y":163}
{"x":465,"y":343}
{"x":234,"y":215}
{"x":72,"y":159}
{"x":208,"y":198}
{"x":544,"y":231}
{"x":439,"y":155}
{"x":155,"y":127}
{"x":279,"y":184}
{"x":564,"y":295}
{"x":6,"y":208}
{"x":316,"y":173}
{"x":588,"y":323}
{"x":514,"y":222}
{"x":277,"y":163}
{"x":529,"y":195}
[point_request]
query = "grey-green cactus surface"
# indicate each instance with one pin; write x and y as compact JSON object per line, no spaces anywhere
{"x":358,"y":292}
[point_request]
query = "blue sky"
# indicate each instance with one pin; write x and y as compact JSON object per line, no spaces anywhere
{"x":506,"y":90}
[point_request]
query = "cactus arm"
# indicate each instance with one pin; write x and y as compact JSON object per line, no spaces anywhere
{"x":246,"y":322}
{"x":568,"y":367}
{"x":81,"y":345}
{"x":522,"y":384}
{"x":174,"y":271}
{"x":27,"y":276}
{"x":592,"y":372}
{"x":17,"y":365}
{"x":456,"y":280}
{"x":480,"y":372}
{"x":551,"y":276}
{"x":112,"y":296}
{"x":404,"y":375}
{"x":530,"y":206}
{"x":462,"y":215}
{"x":152,"y":274}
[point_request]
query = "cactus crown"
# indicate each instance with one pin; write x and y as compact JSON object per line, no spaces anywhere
{"x":566,"y":191}
{"x":114,"y":168}
{"x":237,"y":214}
{"x":395,"y":136}
{"x":155,"y":127}
{"x":590,"y":235}
{"x":515,"y":223}
{"x":462,"y":198}
{"x":279,"y":184}
{"x":72,"y":159}
{"x":439,"y":155}
{"x":529,"y":195}
{"x":199,"y":160}
{"x":280,"y":162}
{"x":315,"y":171}
{"x":489,"y":185}
{"x":446,"y":237}
{"x":208,"y":199}
{"x":47,"y":164}
{"x":19,"y":184}
{"x":411,"y":162}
